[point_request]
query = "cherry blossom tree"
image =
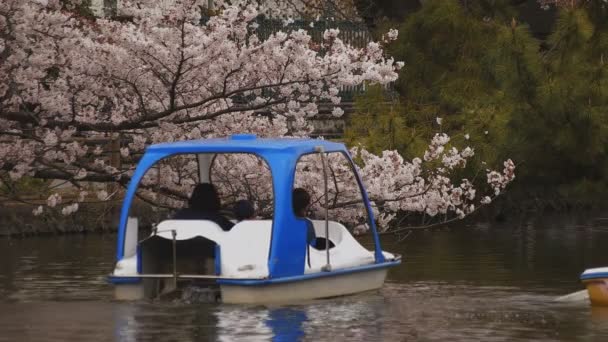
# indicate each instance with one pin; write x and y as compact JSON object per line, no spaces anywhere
{"x":398,"y":187}
{"x":334,"y":10}
{"x":304,"y":9}
{"x":80,"y":98}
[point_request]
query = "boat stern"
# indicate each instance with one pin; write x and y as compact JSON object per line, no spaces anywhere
{"x":596,"y":281}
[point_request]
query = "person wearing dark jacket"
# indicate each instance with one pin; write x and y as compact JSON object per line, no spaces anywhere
{"x":243,"y":210}
{"x":204,"y":204}
{"x":301,"y":202}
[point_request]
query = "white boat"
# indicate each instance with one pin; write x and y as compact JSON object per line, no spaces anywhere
{"x":596,"y":281}
{"x":257,"y":261}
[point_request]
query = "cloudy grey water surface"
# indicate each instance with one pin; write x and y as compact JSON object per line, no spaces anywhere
{"x":475,"y":283}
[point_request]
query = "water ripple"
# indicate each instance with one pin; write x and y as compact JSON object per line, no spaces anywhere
{"x":462,"y":285}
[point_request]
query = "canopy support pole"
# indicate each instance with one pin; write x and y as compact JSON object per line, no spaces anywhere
{"x":321,"y":150}
{"x":174,"y":235}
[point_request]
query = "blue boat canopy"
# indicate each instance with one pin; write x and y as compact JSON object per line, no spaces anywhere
{"x":246,"y":143}
{"x":288,"y":242}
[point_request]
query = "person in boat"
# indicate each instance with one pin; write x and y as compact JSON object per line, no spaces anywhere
{"x":301,"y":204}
{"x":204,"y":204}
{"x":243,"y":210}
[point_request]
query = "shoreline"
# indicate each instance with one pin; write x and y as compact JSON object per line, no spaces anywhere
{"x":17,"y":220}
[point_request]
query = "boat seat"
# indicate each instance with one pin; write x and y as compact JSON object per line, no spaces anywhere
{"x":336,"y":231}
{"x":243,"y":249}
{"x":188,"y":229}
{"x":346,"y":253}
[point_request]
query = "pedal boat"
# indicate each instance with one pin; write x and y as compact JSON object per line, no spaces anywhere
{"x":257,"y":261}
{"x":596,"y":281}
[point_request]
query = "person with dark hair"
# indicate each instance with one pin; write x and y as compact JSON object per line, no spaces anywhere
{"x":301,"y":204}
{"x":243,"y":210}
{"x":204,"y":204}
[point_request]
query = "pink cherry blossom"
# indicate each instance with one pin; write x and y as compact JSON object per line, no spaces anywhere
{"x":81,"y":98}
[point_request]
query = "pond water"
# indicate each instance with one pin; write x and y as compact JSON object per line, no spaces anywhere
{"x":470,"y":283}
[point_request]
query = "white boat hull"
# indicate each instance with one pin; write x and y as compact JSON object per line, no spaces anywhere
{"x":242,"y":273}
{"x":314,"y":288}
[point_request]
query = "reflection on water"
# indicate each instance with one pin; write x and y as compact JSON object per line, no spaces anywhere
{"x":260,"y":323}
{"x":478,"y":283}
{"x":599,"y":314}
{"x":286,"y":324}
